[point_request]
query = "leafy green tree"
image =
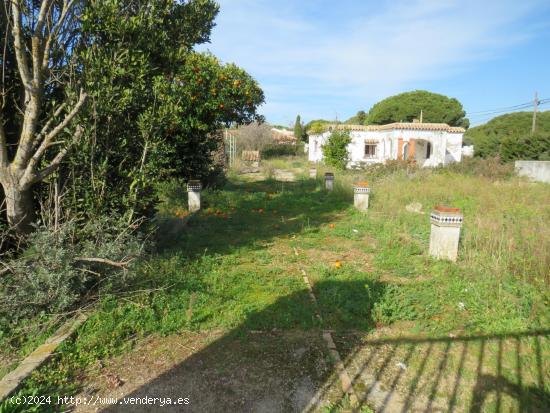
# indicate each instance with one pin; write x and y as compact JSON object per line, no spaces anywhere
{"x":153,"y":105}
{"x":156,"y":104}
{"x":205,"y":96}
{"x":512,"y":129}
{"x":359,"y":119}
{"x":407,"y":106}
{"x":335,"y":151}
{"x":534,"y":147}
{"x":299,"y":132}
{"x":317,"y":126}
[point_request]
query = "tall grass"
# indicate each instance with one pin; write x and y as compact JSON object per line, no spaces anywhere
{"x":507,"y":220}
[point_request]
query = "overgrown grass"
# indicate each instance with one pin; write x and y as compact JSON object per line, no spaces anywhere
{"x":239,"y":263}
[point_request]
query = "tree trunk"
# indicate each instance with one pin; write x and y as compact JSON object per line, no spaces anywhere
{"x":20,"y":207}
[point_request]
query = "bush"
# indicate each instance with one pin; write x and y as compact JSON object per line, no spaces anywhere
{"x":491,"y":168}
{"x":274,"y":151}
{"x":53,"y":275}
{"x":527,"y":147}
{"x":335,"y":150}
{"x":509,"y":136}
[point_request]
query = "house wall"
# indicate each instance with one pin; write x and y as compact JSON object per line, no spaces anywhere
{"x":446,"y":147}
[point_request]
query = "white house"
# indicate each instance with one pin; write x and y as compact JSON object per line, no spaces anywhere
{"x":429,"y":144}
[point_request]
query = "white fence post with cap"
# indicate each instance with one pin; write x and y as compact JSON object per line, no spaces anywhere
{"x":194,"y":195}
{"x":445,"y":233}
{"x":361,"y":193}
{"x":329,"y":181}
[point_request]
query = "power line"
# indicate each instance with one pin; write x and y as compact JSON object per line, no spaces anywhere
{"x":501,"y":109}
{"x":486,"y":117}
{"x":519,"y":108}
{"x":484,"y":113}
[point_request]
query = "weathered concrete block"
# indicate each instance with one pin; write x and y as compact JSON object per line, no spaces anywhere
{"x":445,"y":234}
{"x":329,"y":181}
{"x":313,"y":172}
{"x":194,"y":195}
{"x":361,"y":193}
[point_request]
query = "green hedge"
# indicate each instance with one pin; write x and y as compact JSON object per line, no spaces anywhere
{"x":274,"y":151}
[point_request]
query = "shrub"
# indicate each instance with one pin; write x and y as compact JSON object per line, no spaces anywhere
{"x":491,"y":168}
{"x":335,"y":150}
{"x":55,"y":272}
{"x":274,"y":151}
{"x":527,"y":147}
{"x":509,"y":137}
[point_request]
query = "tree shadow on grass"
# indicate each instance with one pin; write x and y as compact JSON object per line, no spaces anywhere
{"x":258,"y":368}
{"x":250,"y":214}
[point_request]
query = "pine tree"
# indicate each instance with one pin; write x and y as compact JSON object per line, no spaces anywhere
{"x":298,"y":129}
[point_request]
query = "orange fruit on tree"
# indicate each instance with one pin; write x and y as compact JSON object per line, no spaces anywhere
{"x":337,"y":264}
{"x":261,"y":210}
{"x":331,"y":226}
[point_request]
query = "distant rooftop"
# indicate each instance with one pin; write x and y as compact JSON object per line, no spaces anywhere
{"x":403,"y":126}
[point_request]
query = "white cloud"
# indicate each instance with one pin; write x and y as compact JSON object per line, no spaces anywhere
{"x":311,"y":55}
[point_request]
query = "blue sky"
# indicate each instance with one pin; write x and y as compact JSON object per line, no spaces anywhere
{"x":326,"y":58}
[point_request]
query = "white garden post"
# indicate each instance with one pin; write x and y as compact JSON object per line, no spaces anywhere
{"x":446,"y":224}
{"x":329,"y":181}
{"x":194,"y":195}
{"x":361,"y":192}
{"x":313,"y":172}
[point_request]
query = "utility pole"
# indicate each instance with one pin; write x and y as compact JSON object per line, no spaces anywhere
{"x":421,"y":115}
{"x":535,"y":108}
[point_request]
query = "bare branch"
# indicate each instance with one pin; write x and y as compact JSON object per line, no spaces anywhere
{"x":3,"y":145}
{"x":46,"y":143}
{"x":20,"y":50}
{"x":69,"y":117}
{"x":30,"y":178}
{"x":50,"y":121}
{"x":67,"y":6}
{"x":42,"y":17}
{"x":119,"y":264}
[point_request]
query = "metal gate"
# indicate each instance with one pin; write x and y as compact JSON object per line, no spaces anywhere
{"x":230,"y":148}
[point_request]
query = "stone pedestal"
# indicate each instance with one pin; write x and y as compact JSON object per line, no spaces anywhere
{"x":312,"y":172}
{"x":329,"y":181}
{"x":361,"y":192}
{"x":446,"y":224}
{"x":194,"y":195}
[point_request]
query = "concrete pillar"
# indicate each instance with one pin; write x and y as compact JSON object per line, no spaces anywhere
{"x":361,"y":192}
{"x":329,"y":181}
{"x":400,"y":149}
{"x":446,"y":224}
{"x":194,"y":195}
{"x":313,"y":172}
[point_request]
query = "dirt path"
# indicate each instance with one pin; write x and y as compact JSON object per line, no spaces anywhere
{"x":284,"y":175}
{"x":258,"y":372}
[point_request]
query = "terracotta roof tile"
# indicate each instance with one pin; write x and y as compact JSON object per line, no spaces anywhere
{"x":402,"y":125}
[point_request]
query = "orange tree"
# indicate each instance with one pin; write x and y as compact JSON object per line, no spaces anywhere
{"x":204,"y":96}
{"x":154,"y":103}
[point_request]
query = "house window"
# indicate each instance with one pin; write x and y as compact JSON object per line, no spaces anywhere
{"x":370,"y":150}
{"x":428,"y":150}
